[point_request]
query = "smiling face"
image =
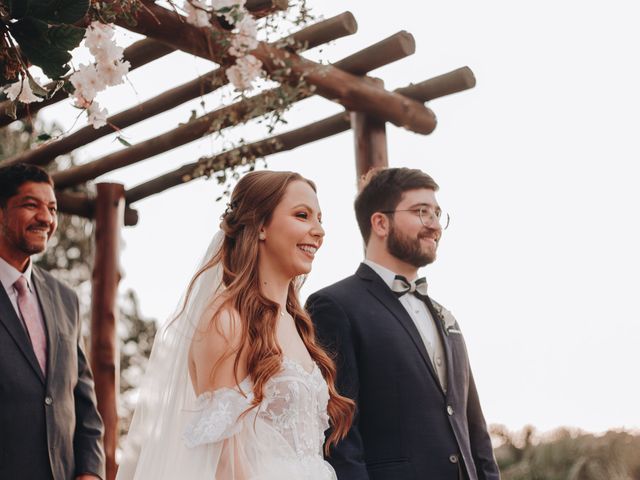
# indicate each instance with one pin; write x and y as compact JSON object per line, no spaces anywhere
{"x":289,"y":241}
{"x":27,"y":222}
{"x":409,"y":240}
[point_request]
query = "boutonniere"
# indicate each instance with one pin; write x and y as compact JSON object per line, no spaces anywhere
{"x":449,"y":323}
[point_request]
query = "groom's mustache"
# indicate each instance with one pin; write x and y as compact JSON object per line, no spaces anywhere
{"x":429,"y":233}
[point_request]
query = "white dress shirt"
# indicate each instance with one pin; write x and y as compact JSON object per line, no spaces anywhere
{"x":423,"y":321}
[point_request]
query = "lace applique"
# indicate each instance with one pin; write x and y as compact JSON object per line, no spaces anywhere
{"x":295,"y":405}
{"x":216,"y":415}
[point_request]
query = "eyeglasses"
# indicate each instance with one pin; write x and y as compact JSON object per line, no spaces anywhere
{"x":428,"y":216}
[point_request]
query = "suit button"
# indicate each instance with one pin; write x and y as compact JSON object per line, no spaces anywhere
{"x":48,"y":400}
{"x":453,"y":458}
{"x":449,"y":410}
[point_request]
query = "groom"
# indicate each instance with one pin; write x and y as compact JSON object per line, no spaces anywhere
{"x":399,"y":354}
{"x":49,"y":425}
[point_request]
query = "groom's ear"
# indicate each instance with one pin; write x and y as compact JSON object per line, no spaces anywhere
{"x":379,"y":225}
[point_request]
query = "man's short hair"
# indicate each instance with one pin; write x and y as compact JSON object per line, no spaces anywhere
{"x":382,"y":191}
{"x":12,"y":177}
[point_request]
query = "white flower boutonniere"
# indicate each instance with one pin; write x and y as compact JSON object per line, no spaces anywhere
{"x":449,"y":322}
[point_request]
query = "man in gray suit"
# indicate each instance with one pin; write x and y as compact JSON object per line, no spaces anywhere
{"x":49,"y":424}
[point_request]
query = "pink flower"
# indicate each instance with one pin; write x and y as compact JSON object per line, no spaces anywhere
{"x":246,"y":38}
{"x":22,"y":91}
{"x":113,"y":72}
{"x":109,"y":52}
{"x":87,"y":82}
{"x":97,"y":116}
{"x":79,"y":101}
{"x":244,"y":72}
{"x":197,"y":13}
{"x":97,"y":36}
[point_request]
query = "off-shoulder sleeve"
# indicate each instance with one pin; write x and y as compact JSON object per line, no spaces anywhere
{"x":216,"y":416}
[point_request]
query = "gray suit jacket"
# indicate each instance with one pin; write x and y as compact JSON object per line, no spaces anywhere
{"x":50,"y":428}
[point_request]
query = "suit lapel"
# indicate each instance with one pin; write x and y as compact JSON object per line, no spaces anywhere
{"x":383,"y":293}
{"x":12,"y":323}
{"x":48,"y":308}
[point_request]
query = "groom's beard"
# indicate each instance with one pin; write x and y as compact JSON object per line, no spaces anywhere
{"x":409,"y":249}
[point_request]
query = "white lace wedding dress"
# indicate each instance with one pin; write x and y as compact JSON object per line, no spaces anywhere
{"x":280,"y":439}
{"x":175,"y":435}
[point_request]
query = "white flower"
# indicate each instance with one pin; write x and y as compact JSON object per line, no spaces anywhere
{"x":109,"y":52}
{"x":22,"y":91}
{"x":244,"y":72}
{"x":197,"y":13}
{"x":97,"y":116}
{"x":87,"y":82}
{"x":113,"y":72}
{"x":246,"y":38}
{"x":97,"y":36}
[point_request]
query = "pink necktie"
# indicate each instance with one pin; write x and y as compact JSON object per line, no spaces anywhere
{"x":29,"y":310}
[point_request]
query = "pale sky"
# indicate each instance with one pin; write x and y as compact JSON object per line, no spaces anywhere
{"x":537,"y":165}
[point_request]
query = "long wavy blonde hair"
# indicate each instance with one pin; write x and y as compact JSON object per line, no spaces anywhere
{"x":253,"y":200}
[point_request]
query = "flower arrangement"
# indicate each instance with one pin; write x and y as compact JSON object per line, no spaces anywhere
{"x":108,"y":70}
{"x":40,"y":33}
{"x":247,"y":68}
{"x":43,"y":33}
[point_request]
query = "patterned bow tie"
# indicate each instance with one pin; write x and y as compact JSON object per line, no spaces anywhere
{"x":418,"y":287}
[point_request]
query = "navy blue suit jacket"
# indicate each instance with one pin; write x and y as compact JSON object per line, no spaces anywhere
{"x":406,"y":427}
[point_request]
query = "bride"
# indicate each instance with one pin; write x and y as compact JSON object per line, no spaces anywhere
{"x":236,"y":387}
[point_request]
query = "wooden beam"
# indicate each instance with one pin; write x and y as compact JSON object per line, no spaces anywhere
{"x":370,"y":142}
{"x":344,"y":88}
{"x":452,"y":82}
{"x":84,"y":206}
{"x":262,"y":8}
{"x":241,"y":155}
{"x":309,"y":37}
{"x":221,"y":118}
{"x":448,"y":83}
{"x":104,"y":313}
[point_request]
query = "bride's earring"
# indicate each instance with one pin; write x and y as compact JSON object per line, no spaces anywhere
{"x":262,"y":236}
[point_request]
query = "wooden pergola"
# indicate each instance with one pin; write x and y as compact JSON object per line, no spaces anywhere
{"x":368,"y":106}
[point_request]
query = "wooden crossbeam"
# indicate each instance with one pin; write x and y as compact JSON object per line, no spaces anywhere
{"x":84,"y":206}
{"x":344,"y":88}
{"x":307,"y":38}
{"x":79,"y":204}
{"x":446,"y":84}
{"x":394,"y":47}
{"x":262,"y":8}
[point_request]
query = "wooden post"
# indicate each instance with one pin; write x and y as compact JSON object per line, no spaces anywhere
{"x":370,"y":137}
{"x":109,"y":214}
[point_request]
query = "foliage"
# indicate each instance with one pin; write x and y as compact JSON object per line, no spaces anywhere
{"x":567,"y":455}
{"x":39,"y":32}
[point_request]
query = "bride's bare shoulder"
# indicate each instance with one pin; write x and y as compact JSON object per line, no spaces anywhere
{"x":214,"y":349}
